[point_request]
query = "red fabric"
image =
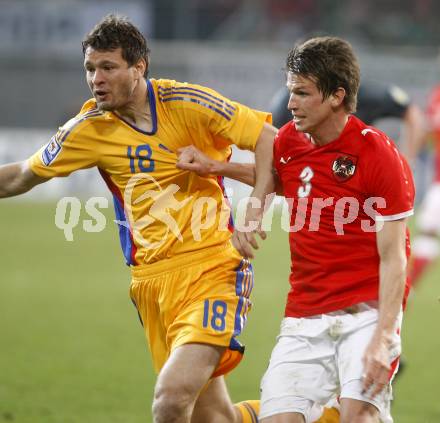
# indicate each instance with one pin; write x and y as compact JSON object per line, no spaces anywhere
{"x":336,"y":264}
{"x":418,"y":267}
{"x":433,"y":115}
{"x":393,"y":368}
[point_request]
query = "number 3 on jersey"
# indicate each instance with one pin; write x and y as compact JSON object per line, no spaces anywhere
{"x":306,"y":176}
{"x":144,"y":162}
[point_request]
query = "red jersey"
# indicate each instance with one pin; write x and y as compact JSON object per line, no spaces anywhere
{"x":433,"y":114}
{"x":335,"y":192}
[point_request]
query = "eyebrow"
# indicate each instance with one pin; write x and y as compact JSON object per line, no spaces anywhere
{"x":296,"y":87}
{"x":100,"y":63}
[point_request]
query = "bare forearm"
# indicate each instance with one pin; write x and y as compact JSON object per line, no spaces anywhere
{"x":391,"y":242}
{"x":391,"y":291}
{"x":265,"y":179}
{"x":192,"y":159}
{"x":9,"y":184}
{"x":17,"y":178}
{"x":259,"y":175}
{"x":242,"y":172}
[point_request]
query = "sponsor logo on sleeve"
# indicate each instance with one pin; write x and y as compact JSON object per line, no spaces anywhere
{"x":51,"y":151}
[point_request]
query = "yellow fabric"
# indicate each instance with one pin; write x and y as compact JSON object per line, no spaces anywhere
{"x":202,"y":300}
{"x":168,"y":212}
{"x":330,"y":415}
{"x":249,"y":410}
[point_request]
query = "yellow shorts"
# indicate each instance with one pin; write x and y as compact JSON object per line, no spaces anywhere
{"x":202,"y":297}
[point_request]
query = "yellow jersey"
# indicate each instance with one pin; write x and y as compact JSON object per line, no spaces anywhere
{"x":162,"y":211}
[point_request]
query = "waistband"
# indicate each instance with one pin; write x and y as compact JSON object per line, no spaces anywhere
{"x":181,"y":261}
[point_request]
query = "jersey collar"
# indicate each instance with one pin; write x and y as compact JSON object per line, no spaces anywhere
{"x":152,"y":103}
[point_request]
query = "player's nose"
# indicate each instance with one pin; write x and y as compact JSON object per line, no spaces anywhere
{"x":291,"y":104}
{"x":98,"y":77}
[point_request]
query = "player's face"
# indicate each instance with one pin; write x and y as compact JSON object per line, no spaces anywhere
{"x":309,"y":109}
{"x":110,"y":78}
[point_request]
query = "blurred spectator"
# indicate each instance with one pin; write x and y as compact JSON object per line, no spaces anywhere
{"x":426,"y":246}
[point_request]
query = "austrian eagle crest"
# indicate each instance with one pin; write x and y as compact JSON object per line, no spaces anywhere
{"x":344,"y":167}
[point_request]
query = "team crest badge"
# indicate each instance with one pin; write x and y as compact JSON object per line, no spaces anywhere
{"x":344,"y":167}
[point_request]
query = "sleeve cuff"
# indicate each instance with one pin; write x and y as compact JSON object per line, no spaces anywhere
{"x":390,"y":218}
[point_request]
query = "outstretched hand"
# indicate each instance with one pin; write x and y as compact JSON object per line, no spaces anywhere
{"x":244,"y":236}
{"x":192,"y":159}
{"x":377,"y":365}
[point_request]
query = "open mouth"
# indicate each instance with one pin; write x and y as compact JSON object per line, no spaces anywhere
{"x":100,"y":94}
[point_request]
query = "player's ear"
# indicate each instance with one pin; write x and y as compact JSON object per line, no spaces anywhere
{"x":141,"y":67}
{"x":337,"y":98}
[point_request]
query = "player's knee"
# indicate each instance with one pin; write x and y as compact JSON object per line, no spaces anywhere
{"x":169,"y":408}
{"x":170,"y":403}
{"x":361,"y":413}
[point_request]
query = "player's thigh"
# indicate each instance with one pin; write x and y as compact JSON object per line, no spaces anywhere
{"x":358,"y":411}
{"x":201,"y":301}
{"x":350,"y":354}
{"x":284,"y":418}
{"x":360,"y":328}
{"x":156,"y":301}
{"x":215,"y":310}
{"x":317,"y":415}
{"x":214,"y":404}
{"x":187,"y":371}
{"x":302,"y":369}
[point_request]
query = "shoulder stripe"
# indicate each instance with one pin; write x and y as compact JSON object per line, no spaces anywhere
{"x":64,"y":133}
{"x":60,"y":134}
{"x":202,"y":103}
{"x":91,"y":113}
{"x":222,"y":105}
{"x":189,"y":90}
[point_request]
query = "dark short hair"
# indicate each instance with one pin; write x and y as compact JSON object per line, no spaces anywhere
{"x":117,"y":32}
{"x":331,"y":62}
